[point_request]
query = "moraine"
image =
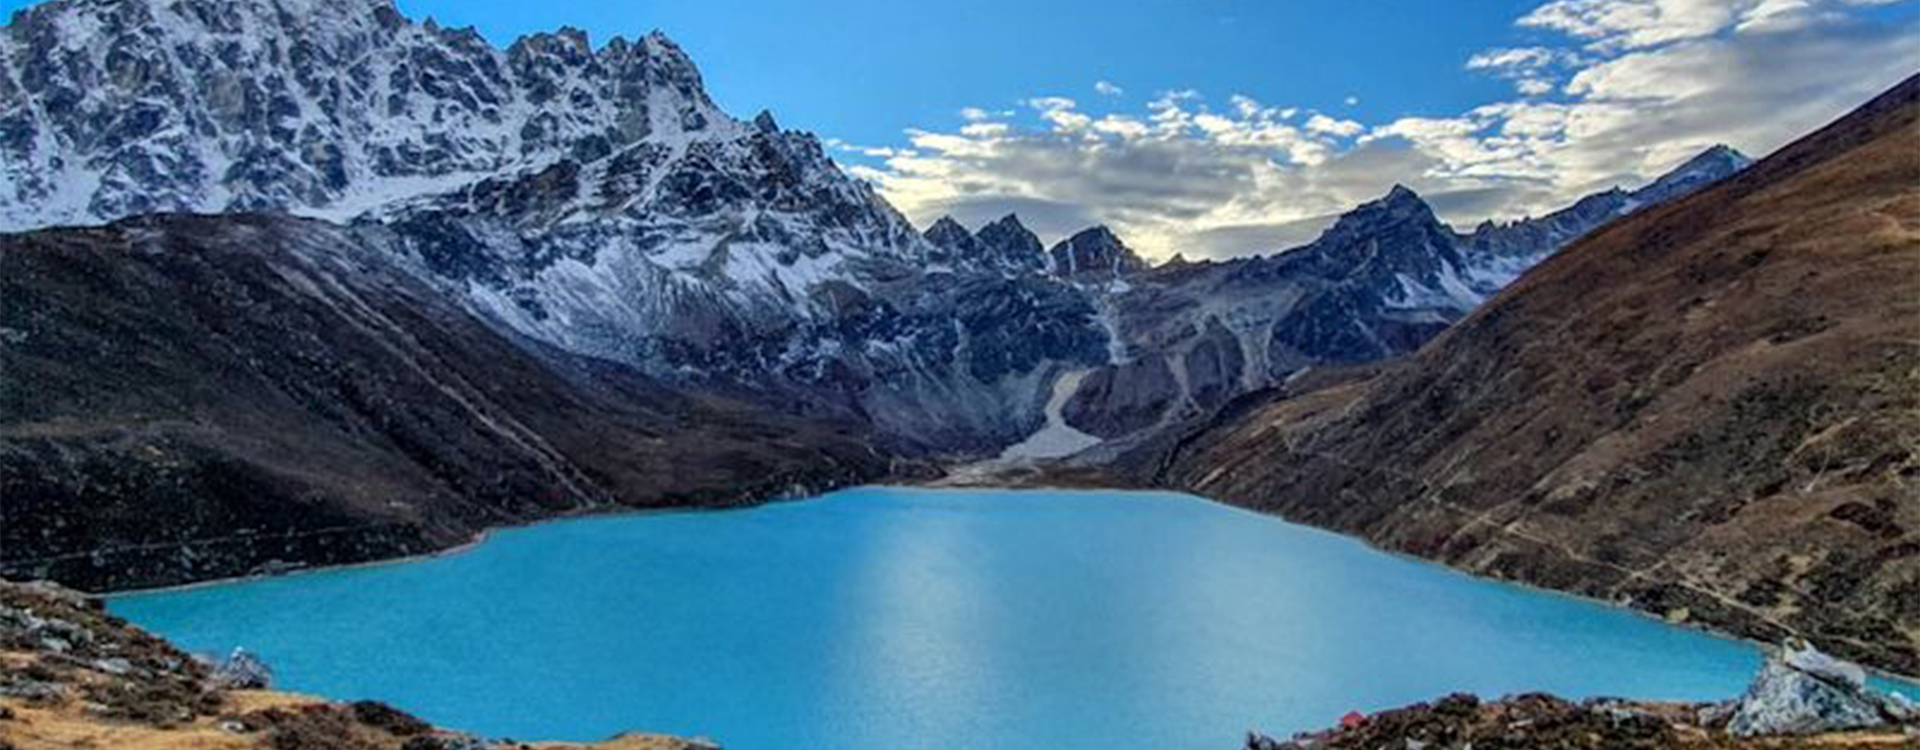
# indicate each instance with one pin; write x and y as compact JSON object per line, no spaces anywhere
{"x":906,"y":618}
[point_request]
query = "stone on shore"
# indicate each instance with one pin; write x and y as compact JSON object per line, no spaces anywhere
{"x":242,"y":671}
{"x":1802,"y":691}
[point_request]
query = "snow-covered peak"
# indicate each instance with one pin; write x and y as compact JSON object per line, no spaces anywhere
{"x":1499,"y":253}
{"x":1707,"y":167}
{"x":325,"y":107}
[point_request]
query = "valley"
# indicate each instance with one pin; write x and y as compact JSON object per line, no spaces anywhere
{"x":292,"y":285}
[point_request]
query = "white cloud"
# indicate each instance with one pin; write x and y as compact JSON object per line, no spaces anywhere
{"x":1320,"y":123}
{"x":1525,"y":58}
{"x":1533,"y":70}
{"x":1534,"y":86}
{"x":1635,"y":87}
{"x":1627,"y":24}
{"x":1107,"y":88}
{"x":1353,"y":101}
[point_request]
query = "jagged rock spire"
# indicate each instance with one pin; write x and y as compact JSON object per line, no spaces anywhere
{"x":1095,"y":251}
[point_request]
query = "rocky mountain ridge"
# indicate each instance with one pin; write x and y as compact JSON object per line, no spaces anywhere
{"x":1499,"y":253}
{"x":1384,"y":279}
{"x":591,"y":199}
{"x":1723,"y":433}
{"x":113,"y":108}
{"x":595,"y":200}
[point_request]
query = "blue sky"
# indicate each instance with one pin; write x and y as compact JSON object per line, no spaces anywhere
{"x":866,"y":70}
{"x":1226,"y":127}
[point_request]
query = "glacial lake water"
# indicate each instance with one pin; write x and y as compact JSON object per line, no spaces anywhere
{"x":895,"y":619}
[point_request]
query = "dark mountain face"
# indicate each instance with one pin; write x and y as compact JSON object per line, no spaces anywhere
{"x":1396,"y":235}
{"x":199,"y":397}
{"x":1013,"y":244}
{"x":1395,"y":279}
{"x":953,"y":242}
{"x":1004,"y":247}
{"x":1707,"y":410}
{"x":1093,"y":256}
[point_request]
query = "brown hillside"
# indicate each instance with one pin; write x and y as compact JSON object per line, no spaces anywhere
{"x":185,"y":398}
{"x":1709,"y":410}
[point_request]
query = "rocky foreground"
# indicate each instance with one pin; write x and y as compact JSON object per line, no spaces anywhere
{"x":74,"y":676}
{"x":1802,"y":698}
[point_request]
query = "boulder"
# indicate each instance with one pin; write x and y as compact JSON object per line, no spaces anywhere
{"x":1803,"y":691}
{"x":242,"y":671}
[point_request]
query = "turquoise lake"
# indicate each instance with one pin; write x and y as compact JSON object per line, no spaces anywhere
{"x":893,"y":619}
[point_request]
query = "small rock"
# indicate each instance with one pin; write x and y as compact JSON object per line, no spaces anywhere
{"x":242,"y":671}
{"x":113,"y":666}
{"x":392,"y":720}
{"x":447,"y":741}
{"x":1715,"y":714}
{"x":33,"y":691}
{"x":1900,"y":708}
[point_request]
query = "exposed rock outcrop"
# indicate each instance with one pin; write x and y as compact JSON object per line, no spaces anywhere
{"x":1803,"y":691}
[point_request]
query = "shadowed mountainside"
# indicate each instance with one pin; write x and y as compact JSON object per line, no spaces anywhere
{"x":200,"y":397}
{"x":1709,"y":410}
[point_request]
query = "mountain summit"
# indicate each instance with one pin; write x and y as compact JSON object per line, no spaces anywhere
{"x":112,"y":109}
{"x":1093,"y":254}
{"x":1707,"y":411}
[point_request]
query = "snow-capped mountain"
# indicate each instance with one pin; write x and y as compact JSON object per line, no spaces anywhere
{"x":111,"y":108}
{"x":1385,"y":278}
{"x":594,"y":199}
{"x":1498,"y":253}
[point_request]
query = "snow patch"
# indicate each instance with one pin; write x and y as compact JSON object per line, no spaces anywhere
{"x":1056,"y":439}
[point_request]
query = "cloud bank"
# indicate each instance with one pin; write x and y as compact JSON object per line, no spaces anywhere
{"x":1624,"y":90}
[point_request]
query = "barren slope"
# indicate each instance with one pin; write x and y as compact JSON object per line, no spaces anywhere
{"x":1710,"y":410}
{"x":184,"y":398}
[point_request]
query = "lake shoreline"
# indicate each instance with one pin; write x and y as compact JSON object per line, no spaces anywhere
{"x":1035,"y":483}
